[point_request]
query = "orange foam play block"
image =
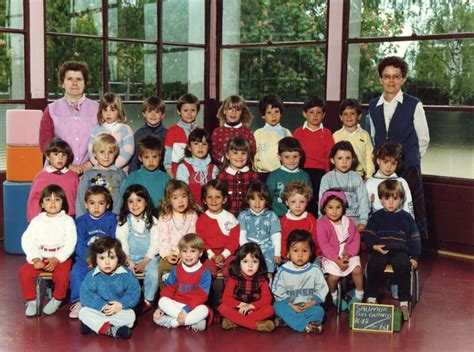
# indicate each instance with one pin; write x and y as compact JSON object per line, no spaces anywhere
{"x":23,"y":163}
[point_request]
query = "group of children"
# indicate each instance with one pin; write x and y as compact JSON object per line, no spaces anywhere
{"x":236,"y":204}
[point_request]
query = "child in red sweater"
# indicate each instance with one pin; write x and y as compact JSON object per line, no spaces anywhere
{"x":186,"y":289}
{"x":247,"y":299}
{"x":316,"y":141}
{"x":296,"y":195}
{"x":219,"y":229}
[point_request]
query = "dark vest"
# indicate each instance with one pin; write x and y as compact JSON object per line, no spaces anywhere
{"x":401,"y":129}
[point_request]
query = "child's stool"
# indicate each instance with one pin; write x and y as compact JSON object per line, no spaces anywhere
{"x":23,"y":163}
{"x":47,"y":277}
{"x":15,"y":197}
{"x":17,"y":134}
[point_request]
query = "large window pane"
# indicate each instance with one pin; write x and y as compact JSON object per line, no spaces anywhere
{"x":386,"y":18}
{"x":79,"y":16}
{"x":12,"y":71}
{"x":183,"y":72}
{"x":3,"y":131}
{"x":451,"y":150}
{"x":61,"y":49}
{"x":440,"y":72}
{"x":183,"y":21}
{"x":294,"y":73}
{"x":132,"y":70}
{"x":133,"y":19}
{"x":258,"y":21}
{"x":11,"y":14}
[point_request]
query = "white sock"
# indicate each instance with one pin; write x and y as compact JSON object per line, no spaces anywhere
{"x":371,"y":300}
{"x":404,"y":303}
{"x":334,"y":295}
{"x":359,"y":294}
{"x":174,"y":323}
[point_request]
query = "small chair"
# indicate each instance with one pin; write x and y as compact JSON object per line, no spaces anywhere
{"x":47,"y":277}
{"x":414,"y":282}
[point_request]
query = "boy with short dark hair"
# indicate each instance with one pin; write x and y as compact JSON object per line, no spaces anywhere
{"x":350,"y":113}
{"x":149,"y":150}
{"x":316,"y":141}
{"x":267,"y":137}
{"x":177,"y":137}
{"x":289,"y":154}
{"x":153,"y":111}
{"x":392,"y":236}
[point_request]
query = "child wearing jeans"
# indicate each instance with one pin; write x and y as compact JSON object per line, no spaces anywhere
{"x":48,"y":242}
{"x":183,"y":298}
{"x":109,"y":292}
{"x":299,"y":286}
{"x":59,"y":156}
{"x":98,"y":222}
{"x":392,"y":236}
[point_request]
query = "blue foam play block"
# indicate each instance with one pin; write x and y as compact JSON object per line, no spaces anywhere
{"x":15,"y":197}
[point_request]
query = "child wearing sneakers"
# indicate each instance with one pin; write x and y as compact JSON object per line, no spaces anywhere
{"x":48,"y":242}
{"x":98,"y":222}
{"x":109,"y":292}
{"x":392,"y":236}
{"x":186,"y":290}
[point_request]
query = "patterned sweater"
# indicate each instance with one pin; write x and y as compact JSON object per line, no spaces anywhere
{"x":221,"y":135}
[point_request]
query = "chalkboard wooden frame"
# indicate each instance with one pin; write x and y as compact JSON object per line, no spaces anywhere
{"x":384,"y":325}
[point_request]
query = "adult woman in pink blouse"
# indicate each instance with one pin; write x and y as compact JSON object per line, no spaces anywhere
{"x":72,"y":117}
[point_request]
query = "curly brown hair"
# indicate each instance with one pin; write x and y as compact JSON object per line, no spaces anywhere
{"x":73,"y":66}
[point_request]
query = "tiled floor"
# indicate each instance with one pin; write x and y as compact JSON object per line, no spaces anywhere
{"x":442,"y":321}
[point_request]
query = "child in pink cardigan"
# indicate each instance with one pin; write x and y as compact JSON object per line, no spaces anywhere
{"x":339,"y":241}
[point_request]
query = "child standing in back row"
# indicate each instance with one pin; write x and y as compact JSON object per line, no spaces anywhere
{"x":267,"y":138}
{"x":153,"y":111}
{"x":350,"y":114}
{"x":112,"y":120}
{"x":316,"y":141}
{"x":234,"y":118}
{"x":177,"y":136}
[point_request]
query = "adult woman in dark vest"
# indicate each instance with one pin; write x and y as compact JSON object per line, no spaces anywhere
{"x":72,"y":117}
{"x":397,"y":117}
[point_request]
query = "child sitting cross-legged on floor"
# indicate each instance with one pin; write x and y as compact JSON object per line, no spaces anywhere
{"x":109,"y":292}
{"x":186,"y":290}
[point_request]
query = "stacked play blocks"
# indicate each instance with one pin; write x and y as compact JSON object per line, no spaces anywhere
{"x":24,"y":161}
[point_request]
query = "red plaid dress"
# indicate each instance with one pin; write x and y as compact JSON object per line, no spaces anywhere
{"x":237,"y":184}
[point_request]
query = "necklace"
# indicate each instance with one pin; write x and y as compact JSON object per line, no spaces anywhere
{"x":177,"y":225}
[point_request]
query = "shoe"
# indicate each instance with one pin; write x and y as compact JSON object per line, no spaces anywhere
{"x":314,"y":328}
{"x":75,"y":308}
{"x":146,"y":306}
{"x":354,"y":300}
{"x":52,"y":306}
{"x":394,"y":289}
{"x":84,"y":329}
{"x":199,"y":326}
{"x":279,"y":323}
{"x":228,"y":325}
{"x":343,"y":304}
{"x":31,"y":308}
{"x":405,"y":312}
{"x":164,"y":321}
{"x":119,"y":332}
{"x":265,"y":325}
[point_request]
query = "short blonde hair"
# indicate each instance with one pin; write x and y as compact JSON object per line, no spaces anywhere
{"x":239,"y":103}
{"x":111,"y":99}
{"x":298,"y":187}
{"x":391,"y":188}
{"x":104,"y":140}
{"x":191,"y":240}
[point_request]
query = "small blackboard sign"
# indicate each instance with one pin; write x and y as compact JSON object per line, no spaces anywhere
{"x":372,"y":317}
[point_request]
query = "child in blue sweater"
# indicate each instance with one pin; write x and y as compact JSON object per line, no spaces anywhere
{"x":109,"y":292}
{"x":99,"y":221}
{"x":392,"y":236}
